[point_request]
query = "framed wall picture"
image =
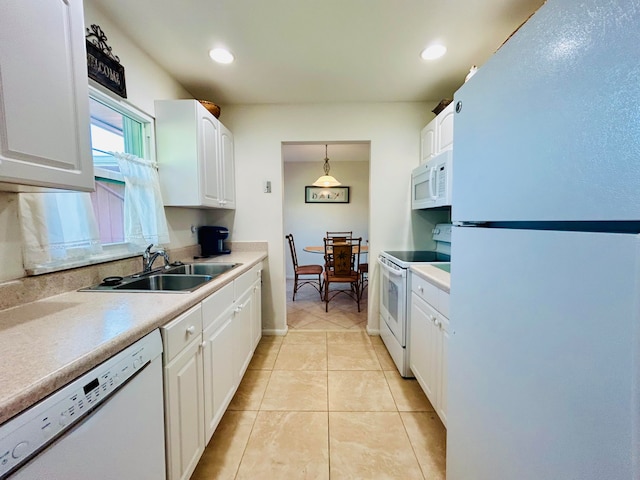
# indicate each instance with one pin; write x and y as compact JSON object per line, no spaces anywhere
{"x":326,"y":194}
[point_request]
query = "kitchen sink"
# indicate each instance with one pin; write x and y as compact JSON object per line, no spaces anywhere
{"x":178,"y":278}
{"x":166,"y":282}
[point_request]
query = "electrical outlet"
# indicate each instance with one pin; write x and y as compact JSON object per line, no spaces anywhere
{"x":267,"y":186}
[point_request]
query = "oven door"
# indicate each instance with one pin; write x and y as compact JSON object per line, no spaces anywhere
{"x":393,"y":304}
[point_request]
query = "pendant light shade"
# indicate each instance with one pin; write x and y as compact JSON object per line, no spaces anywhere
{"x":326,"y":180}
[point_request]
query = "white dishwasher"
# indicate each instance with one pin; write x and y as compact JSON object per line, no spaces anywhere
{"x":106,"y":424}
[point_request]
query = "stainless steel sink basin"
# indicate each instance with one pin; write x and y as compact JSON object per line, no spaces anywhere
{"x":213,"y":269}
{"x":178,"y":278}
{"x":166,"y":282}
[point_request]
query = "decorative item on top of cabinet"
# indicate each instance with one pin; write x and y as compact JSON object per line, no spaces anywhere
{"x":437,"y":136}
{"x":49,"y":148}
{"x":195,"y":156}
{"x":212,"y":107}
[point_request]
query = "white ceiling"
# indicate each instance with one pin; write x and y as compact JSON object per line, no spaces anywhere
{"x":310,"y":51}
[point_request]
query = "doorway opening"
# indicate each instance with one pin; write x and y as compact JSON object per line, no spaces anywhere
{"x":309,"y":221}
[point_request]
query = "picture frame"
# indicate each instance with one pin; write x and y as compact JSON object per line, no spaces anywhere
{"x":326,"y":194}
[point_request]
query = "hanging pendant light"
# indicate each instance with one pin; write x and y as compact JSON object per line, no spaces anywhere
{"x":326,"y":180}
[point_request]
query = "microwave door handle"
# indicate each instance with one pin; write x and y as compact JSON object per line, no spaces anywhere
{"x":432,"y":178}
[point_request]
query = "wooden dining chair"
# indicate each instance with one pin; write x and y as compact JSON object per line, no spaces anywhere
{"x":342,"y":261}
{"x":339,"y":236}
{"x":304,"y":271}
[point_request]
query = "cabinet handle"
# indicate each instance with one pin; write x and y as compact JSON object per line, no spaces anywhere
{"x":420,"y":289}
{"x":239,"y":308}
{"x":203,"y":345}
{"x":436,"y":322}
{"x":191,"y":330}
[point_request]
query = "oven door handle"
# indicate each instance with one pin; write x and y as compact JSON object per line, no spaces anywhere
{"x":401,"y":272}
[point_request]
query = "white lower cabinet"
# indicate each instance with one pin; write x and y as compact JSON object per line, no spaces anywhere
{"x":220,"y":379}
{"x":207,"y":350}
{"x":428,"y":342}
{"x":183,"y":393}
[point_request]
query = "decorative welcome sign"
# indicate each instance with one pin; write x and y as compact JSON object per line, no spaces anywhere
{"x":103,"y":66}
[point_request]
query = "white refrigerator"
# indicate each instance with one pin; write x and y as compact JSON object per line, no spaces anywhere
{"x":544,"y":352}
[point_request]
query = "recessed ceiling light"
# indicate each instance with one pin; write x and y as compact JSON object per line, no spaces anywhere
{"x":221,"y":55}
{"x":433,"y":51}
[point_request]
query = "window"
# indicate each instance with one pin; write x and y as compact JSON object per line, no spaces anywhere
{"x":115,"y":127}
{"x":69,"y":229}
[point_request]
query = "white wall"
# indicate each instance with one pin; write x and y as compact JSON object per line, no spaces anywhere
{"x":309,"y":222}
{"x":146,"y":80}
{"x":259,"y":130}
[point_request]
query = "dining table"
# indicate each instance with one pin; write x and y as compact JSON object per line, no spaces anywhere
{"x":320,"y":249}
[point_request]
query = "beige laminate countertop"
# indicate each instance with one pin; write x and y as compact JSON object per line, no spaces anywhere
{"x":433,"y":275}
{"x":47,"y":343}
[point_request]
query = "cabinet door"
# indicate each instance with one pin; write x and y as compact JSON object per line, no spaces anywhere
{"x":44,"y":98}
{"x":444,"y":370}
{"x":420,"y":345}
{"x":256,"y":311}
{"x":428,"y":142}
{"x":220,"y":380}
{"x":210,"y":159}
{"x":426,"y":348}
{"x":184,"y":415}
{"x":243,"y":342}
{"x":445,"y":129}
{"x":227,"y":169}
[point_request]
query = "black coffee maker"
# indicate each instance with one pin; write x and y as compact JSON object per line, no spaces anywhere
{"x":211,"y":240}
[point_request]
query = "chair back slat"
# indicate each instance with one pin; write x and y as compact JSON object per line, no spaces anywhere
{"x":342,"y":259}
{"x":340,"y":236}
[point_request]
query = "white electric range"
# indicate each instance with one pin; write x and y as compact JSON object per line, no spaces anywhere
{"x":395,"y":293}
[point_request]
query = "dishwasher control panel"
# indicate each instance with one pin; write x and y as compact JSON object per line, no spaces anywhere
{"x":34,"y":429}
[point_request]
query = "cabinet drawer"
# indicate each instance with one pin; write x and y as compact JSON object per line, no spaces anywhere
{"x":246,"y":280}
{"x":177,"y":334}
{"x":216,"y":304}
{"x":425,"y":290}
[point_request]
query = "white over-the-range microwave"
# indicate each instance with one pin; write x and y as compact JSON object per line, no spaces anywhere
{"x":431,"y":182}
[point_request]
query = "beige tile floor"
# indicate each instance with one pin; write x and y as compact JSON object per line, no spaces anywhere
{"x":325,"y":402}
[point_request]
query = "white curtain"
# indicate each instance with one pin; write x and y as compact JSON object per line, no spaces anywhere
{"x":144,"y":218}
{"x":58,"y":228}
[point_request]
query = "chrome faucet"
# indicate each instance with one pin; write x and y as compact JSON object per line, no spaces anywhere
{"x":148,"y":258}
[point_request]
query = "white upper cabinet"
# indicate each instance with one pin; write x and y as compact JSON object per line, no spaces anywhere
{"x":437,"y":136}
{"x":444,"y":129}
{"x":44,"y":98}
{"x":428,"y":142}
{"x":195,"y":156}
